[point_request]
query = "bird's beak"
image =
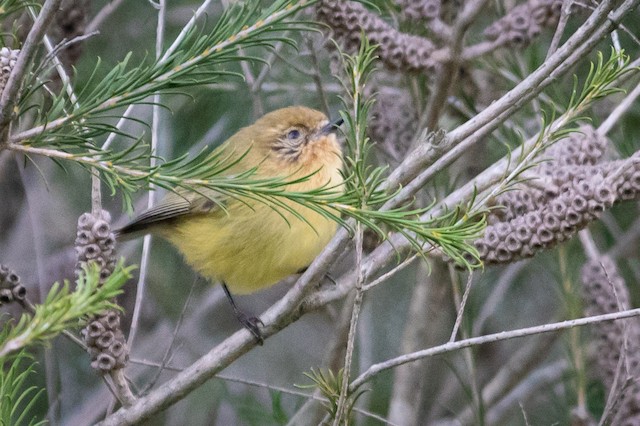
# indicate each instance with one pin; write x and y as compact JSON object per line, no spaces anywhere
{"x":332,"y":127}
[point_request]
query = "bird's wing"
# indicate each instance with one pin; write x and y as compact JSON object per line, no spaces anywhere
{"x":173,"y":206}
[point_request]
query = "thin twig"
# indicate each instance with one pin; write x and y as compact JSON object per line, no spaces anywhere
{"x":264,"y":72}
{"x":250,"y":79}
{"x":102,"y":15}
{"x":533,"y":385}
{"x":510,"y":374}
{"x":317,"y":79}
{"x":506,"y":279}
{"x":573,"y":309}
{"x":565,"y":12}
{"x":616,"y":392}
{"x":140,"y":286}
{"x":376,"y":369}
{"x":619,"y":111}
{"x":176,"y":329}
{"x":155,"y":136}
{"x":333,"y":360}
{"x":51,"y":371}
{"x":19,"y":71}
{"x":63,"y":44}
{"x":623,"y":376}
{"x":123,"y":119}
{"x":264,"y":385}
{"x":96,"y":193}
{"x":341,"y":412}
{"x":384,"y":277}
{"x":448,"y":71}
{"x":185,"y":30}
{"x":463,"y":304}
{"x":588,"y":244}
{"x":419,"y":329}
{"x":467,"y":353}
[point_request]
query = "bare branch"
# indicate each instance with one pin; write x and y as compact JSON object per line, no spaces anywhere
{"x":376,"y":369}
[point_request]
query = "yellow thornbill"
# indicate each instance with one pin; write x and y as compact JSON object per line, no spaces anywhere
{"x":248,"y":245}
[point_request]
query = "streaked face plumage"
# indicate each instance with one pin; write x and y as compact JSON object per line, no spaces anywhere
{"x":299,"y":137}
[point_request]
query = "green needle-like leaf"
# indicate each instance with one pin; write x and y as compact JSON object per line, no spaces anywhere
{"x":63,"y":309}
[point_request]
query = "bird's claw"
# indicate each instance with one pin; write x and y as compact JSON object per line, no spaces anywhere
{"x":251,"y":323}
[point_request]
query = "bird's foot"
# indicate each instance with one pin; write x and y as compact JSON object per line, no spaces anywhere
{"x":251,"y":323}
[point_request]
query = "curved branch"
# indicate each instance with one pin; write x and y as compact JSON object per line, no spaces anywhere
{"x":10,"y":92}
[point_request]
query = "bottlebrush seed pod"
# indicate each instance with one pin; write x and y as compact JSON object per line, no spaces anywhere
{"x":105,"y":340}
{"x":502,"y":230}
{"x":86,"y":221}
{"x":19,"y":292}
{"x":397,"y":50}
{"x":110,"y":319}
{"x":545,"y":235}
{"x":104,"y":362}
{"x":95,"y":243}
{"x":525,"y":21}
{"x":523,"y":233}
{"x":8,"y":58}
{"x":513,"y":244}
{"x":117,"y":348}
{"x":11,"y":289}
{"x":604,"y":291}
{"x":6,"y":296}
{"x":95,"y":329}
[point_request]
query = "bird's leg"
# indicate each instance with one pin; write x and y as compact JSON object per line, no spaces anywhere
{"x":247,"y":321}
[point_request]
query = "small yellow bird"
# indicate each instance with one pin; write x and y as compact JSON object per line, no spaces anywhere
{"x":248,"y":245}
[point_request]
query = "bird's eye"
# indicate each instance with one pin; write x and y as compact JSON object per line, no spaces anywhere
{"x":293,"y":134}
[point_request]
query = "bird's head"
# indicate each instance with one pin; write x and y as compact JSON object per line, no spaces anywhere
{"x":294,"y":139}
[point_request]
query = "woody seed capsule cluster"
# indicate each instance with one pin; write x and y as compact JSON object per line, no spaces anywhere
{"x":573,"y":196}
{"x":393,"y":122}
{"x":10,"y":287}
{"x":581,"y":148}
{"x":8,"y":58}
{"x":524,"y":22}
{"x":104,"y":338}
{"x":95,"y":243}
{"x":604,"y":291}
{"x":106,"y":342}
{"x":416,"y":10}
{"x":576,"y":196}
{"x":397,"y":50}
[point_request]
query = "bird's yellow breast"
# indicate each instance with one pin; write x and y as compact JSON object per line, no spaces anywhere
{"x":250,"y":248}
